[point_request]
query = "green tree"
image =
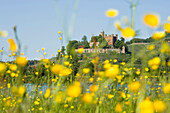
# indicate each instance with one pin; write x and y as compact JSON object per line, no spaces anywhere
{"x":72,"y":45}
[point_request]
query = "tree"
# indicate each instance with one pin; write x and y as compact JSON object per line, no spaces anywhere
{"x":72,"y":45}
{"x":104,"y":44}
{"x":63,"y":50}
{"x":84,"y":39}
{"x":119,"y":44}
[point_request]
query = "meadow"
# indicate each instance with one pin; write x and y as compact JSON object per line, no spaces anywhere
{"x":90,"y":83}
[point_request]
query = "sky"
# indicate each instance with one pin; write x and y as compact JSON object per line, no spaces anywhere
{"x":38,"y":21}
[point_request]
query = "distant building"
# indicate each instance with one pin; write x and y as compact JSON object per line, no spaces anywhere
{"x":91,"y":44}
{"x":111,"y":39}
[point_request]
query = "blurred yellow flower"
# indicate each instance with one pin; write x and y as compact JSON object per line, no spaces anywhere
{"x":80,"y":50}
{"x":118,"y":107}
{"x":13,"y":46}
{"x":134,"y":86}
{"x":168,"y":18}
{"x":65,"y":72}
{"x":87,"y":98}
{"x":40,"y":108}
{"x":95,"y":60}
{"x":112,"y":13}
{"x":159,"y":106}
{"x":2,"y":67}
{"x":167,"y":27}
{"x":151,"y":20}
{"x":74,"y":90}
{"x":112,"y":72}
{"x":154,"y":63}
{"x":22,"y":53}
{"x":21,"y":90}
{"x":59,"y":32}
{"x":60,"y":38}
{"x":59,"y":98}
{"x":58,"y":51}
{"x":151,"y":47}
{"x":13,"y":67}
{"x":21,"y":61}
{"x":36,"y":103}
{"x":166,"y":88}
{"x":47,"y":93}
{"x":117,"y":25}
{"x":66,"y":63}
{"x":110,"y":96}
{"x":158,"y":35}
{"x":128,"y":33}
{"x":86,"y":70}
{"x":146,"y":106}
{"x":56,"y":69}
{"x":3,"y":33}
{"x":93,"y":88}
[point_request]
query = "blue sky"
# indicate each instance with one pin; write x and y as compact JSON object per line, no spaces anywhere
{"x":38,"y":21}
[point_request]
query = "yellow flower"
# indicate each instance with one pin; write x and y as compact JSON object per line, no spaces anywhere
{"x":154,"y":63}
{"x":115,"y":60}
{"x":47,"y":93}
{"x":13,"y":67}
{"x":87,"y":98}
{"x":36,"y":103}
{"x":117,"y":25}
{"x":43,"y":49}
{"x":138,"y":72}
{"x":3,"y":33}
{"x":128,"y":32}
{"x":158,"y":35}
{"x":21,"y":61}
{"x":74,"y":90}
{"x":80,"y":50}
{"x":59,"y":98}
{"x":118,"y":107}
{"x":159,"y":106}
{"x":107,"y":65}
{"x":66,"y":63}
{"x":60,"y":38}
{"x":86,"y":70}
{"x":95,"y":60}
{"x":167,"y":27}
{"x":112,"y":72}
{"x":8,"y":85}
{"x":112,"y":13}
{"x":146,"y":106}
{"x":58,"y":51}
{"x":22,"y":53}
{"x":40,"y":108}
{"x":59,"y":32}
{"x":151,"y":47}
{"x":2,"y":67}
{"x":134,"y":86}
{"x":165,"y":47}
{"x":110,"y":96}
{"x":166,"y":88}
{"x":65,"y":72}
{"x":13,"y":46}
{"x":56,"y":69}
{"x":151,"y":20}
{"x":21,"y":90}
{"x":93,"y":88}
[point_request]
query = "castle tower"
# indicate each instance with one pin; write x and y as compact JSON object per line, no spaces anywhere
{"x":102,"y":34}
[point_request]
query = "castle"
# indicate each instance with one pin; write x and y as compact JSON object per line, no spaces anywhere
{"x":111,"y":39}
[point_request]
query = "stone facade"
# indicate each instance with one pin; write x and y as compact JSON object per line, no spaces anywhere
{"x":103,"y":50}
{"x":111,"y":39}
